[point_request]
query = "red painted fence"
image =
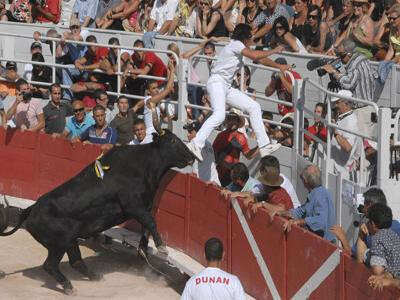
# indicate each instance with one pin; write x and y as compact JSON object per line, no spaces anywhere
{"x":188,"y":213}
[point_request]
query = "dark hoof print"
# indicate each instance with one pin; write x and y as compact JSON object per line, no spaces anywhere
{"x":96,"y":277}
{"x":70,"y":291}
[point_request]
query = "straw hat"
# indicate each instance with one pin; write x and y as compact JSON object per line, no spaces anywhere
{"x":271,"y":177}
{"x":361,"y":1}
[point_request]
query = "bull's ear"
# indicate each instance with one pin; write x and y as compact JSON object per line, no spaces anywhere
{"x":156,"y":138}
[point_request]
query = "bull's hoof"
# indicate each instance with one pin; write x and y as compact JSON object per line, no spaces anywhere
{"x":95,"y":277}
{"x":2,"y":274}
{"x":162,"y":250}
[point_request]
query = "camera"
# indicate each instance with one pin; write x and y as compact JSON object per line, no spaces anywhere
{"x":317,"y":63}
{"x":27,"y":96}
{"x":374,"y":117}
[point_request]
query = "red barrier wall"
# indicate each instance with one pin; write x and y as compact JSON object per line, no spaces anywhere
{"x":188,"y":212}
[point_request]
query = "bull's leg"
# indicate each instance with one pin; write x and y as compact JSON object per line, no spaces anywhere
{"x":147,"y":220}
{"x":51,"y":266}
{"x":76,"y":262}
{"x":144,"y":241}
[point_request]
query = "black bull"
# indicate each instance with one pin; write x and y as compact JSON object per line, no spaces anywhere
{"x":86,"y":205}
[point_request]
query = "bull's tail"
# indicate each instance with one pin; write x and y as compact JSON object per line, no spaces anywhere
{"x":22,"y":217}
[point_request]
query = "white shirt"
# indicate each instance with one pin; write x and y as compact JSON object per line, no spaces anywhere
{"x":213,"y":284}
{"x":148,"y":118}
{"x":343,"y":161}
{"x":147,"y":139}
{"x":206,"y":170}
{"x":287,"y":185}
{"x":28,"y":72}
{"x":110,"y":115}
{"x":229,"y":60}
{"x":162,"y":12}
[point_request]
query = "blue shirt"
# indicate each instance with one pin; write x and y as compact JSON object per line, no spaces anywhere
{"x":75,"y":128}
{"x":318,"y":212}
{"x":250,"y":184}
{"x":107,"y":136}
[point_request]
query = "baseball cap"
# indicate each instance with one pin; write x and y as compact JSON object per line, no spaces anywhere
{"x":11,"y":65}
{"x":192,"y":126}
{"x":36,"y":45}
{"x":345,"y":93}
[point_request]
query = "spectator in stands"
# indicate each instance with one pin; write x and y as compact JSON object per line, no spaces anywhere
{"x":161,"y":19}
{"x":208,"y":48}
{"x":346,"y":147}
{"x":361,"y":249}
{"x":385,"y":244}
{"x":299,"y":19}
{"x":269,"y":128}
{"x":360,"y":29}
{"x":228,"y":145}
{"x":27,"y":113}
{"x":360,"y":80}
{"x":317,"y":214}
{"x":343,"y":22}
{"x":101,"y":98}
{"x":76,"y":33}
{"x":140,"y":132}
{"x":265,"y":20}
{"x":115,"y":16}
{"x":46,"y":11}
{"x":99,"y":133}
{"x":3,"y":9}
{"x":147,"y":63}
{"x":241,"y":181}
{"x":246,"y":81}
{"x":205,"y":170}
{"x":184,"y":22}
{"x":8,"y":87}
{"x":55,"y":112}
{"x":36,"y":47}
{"x":110,"y":63}
{"x":283,"y":38}
{"x":249,"y":13}
{"x":210,"y":21}
{"x":19,"y":11}
{"x":393,"y":53}
{"x":79,"y":122}
{"x":205,"y":285}
{"x":40,"y":73}
{"x":123,"y":121}
{"x":283,"y":86}
{"x":318,"y":129}
{"x":89,"y":62}
{"x":317,"y":36}
{"x":85,"y":12}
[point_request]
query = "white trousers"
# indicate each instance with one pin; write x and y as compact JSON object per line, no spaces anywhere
{"x":220,"y":93}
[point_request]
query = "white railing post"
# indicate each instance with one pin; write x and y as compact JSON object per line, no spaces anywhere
{"x":328,"y":161}
{"x":384,"y":127}
{"x":54,"y":43}
{"x":182,"y":99}
{"x":298,"y":104}
{"x":119,"y":70}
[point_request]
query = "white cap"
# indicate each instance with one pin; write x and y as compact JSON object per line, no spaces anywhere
{"x":345,"y":93}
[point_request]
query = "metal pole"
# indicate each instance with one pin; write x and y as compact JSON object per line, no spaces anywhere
{"x":54,"y":61}
{"x":384,"y":127}
{"x":182,"y":97}
{"x":119,"y":71}
{"x":328,"y":162}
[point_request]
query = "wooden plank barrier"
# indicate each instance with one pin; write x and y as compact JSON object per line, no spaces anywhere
{"x":188,"y":212}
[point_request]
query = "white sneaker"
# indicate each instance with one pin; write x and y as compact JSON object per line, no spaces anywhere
{"x":269,"y":149}
{"x":195,"y":150}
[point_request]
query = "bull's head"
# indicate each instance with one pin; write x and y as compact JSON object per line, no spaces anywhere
{"x":173,"y":150}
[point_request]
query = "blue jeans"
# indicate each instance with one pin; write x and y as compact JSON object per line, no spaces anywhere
{"x":148,"y":39}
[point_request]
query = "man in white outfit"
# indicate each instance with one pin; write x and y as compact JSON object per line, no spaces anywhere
{"x":205,"y":170}
{"x":212,"y":283}
{"x":220,"y":90}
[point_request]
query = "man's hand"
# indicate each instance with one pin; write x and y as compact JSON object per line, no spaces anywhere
{"x":287,"y":225}
{"x":226,"y":193}
{"x":255,"y":207}
{"x":363,"y":232}
{"x":55,"y":135}
{"x":338,"y":231}
{"x":380,"y":281}
{"x":329,"y":69}
{"x":278,"y":49}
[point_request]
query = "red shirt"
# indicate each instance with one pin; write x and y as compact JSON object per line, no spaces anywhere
{"x":321,"y":133}
{"x":101,"y":53}
{"x":157,"y":67}
{"x":284,"y":95}
{"x":222,"y":141}
{"x":53,"y":7}
{"x":280,"y":196}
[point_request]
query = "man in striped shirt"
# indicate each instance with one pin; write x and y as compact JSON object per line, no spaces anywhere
{"x":360,"y":80}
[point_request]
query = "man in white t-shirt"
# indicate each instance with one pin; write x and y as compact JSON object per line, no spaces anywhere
{"x":140,"y":132}
{"x":205,"y":170}
{"x":213,"y":283}
{"x":345,"y":147}
{"x":220,"y":90}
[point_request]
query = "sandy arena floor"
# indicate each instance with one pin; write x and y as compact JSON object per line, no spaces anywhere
{"x":125,"y":275}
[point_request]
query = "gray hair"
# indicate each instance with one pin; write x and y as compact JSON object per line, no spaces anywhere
{"x":312,"y":176}
{"x":349,"y":45}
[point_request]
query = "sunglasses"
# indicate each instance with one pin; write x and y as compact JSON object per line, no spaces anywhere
{"x":204,"y":3}
{"x":250,"y":0}
{"x":74,"y":27}
{"x":279,"y":27}
{"x":312,"y":17}
{"x":392,"y":18}
{"x":79,"y":110}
